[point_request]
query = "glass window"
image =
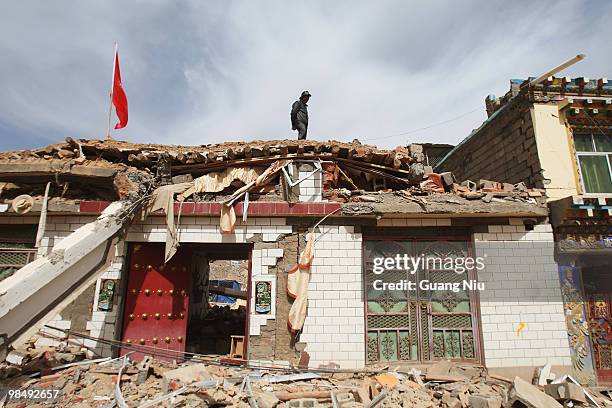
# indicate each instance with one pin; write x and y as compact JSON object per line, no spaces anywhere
{"x":603,"y":143}
{"x":595,"y":173}
{"x":594,"y":154}
{"x":583,"y":143}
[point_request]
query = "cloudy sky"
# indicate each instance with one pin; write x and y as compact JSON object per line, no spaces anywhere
{"x":199,"y":72}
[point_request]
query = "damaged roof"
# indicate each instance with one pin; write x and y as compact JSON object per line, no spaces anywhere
{"x":144,"y":155}
{"x":368,"y":180}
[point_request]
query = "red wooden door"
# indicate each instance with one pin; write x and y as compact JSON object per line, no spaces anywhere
{"x":157,"y":299}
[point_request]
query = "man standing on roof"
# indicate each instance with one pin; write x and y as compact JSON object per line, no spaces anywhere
{"x":299,"y":115}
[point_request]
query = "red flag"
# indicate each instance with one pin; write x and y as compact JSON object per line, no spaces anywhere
{"x":119,"y":98}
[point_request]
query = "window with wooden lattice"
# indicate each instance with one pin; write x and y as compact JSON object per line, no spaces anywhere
{"x":418,"y":325}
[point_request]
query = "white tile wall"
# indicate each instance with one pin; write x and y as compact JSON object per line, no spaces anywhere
{"x":520,"y":275}
{"x":58,"y":228}
{"x":522,"y":285}
{"x":206,"y":230}
{"x":153,"y":229}
{"x":334,"y":327}
{"x":311,"y":189}
{"x":261,"y":259}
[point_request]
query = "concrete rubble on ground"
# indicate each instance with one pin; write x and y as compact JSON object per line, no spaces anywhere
{"x":208,"y":383}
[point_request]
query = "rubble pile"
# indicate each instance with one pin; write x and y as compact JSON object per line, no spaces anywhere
{"x":486,"y":191}
{"x":147,"y":383}
{"x":147,"y":155}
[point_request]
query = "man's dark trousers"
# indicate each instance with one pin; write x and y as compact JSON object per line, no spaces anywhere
{"x":302,"y":129}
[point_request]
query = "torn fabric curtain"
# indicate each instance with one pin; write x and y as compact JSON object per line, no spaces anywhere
{"x":298,"y":279}
{"x":163,"y":199}
{"x":218,"y":181}
{"x":228,"y":219}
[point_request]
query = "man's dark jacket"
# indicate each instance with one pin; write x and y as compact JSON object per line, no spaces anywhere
{"x":299,"y":114}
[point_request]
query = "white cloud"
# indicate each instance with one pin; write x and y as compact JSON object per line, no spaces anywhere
{"x":203,"y":72}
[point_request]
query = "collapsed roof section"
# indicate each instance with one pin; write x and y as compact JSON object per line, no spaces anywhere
{"x":396,"y":181}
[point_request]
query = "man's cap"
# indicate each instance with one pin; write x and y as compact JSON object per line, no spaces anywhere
{"x":305,"y":93}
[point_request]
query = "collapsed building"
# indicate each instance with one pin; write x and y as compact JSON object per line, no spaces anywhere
{"x":276,"y":251}
{"x":557,"y":135}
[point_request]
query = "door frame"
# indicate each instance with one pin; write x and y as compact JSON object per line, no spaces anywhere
{"x":125,"y":271}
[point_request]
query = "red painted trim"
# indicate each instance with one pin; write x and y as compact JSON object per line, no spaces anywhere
{"x":268,"y":208}
{"x":93,"y":207}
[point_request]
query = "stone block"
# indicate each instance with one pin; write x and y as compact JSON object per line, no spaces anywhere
{"x":565,"y":391}
{"x":447,"y":179}
{"x":175,"y":379}
{"x":530,"y":395}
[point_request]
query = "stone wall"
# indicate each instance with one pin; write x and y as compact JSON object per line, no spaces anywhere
{"x":222,"y":269}
{"x":274,"y":340}
{"x":503,"y":149}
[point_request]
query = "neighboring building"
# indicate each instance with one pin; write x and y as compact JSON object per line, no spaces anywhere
{"x":557,"y":135}
{"x":367,"y":209}
{"x":435,"y":152}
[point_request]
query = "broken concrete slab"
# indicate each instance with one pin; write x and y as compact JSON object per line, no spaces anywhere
{"x":78,"y":257}
{"x":50,"y":168}
{"x":530,"y":395}
{"x":484,"y":401}
{"x":543,"y":375}
{"x":447,"y":179}
{"x":451,"y":401}
{"x":304,"y":403}
{"x":389,"y":380}
{"x":565,"y":391}
{"x":571,"y":379}
{"x":177,"y":378}
{"x":441,"y":371}
{"x":267,"y":400}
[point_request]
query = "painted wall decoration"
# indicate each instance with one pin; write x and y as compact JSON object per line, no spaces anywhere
{"x":581,"y":237}
{"x":263,"y":297}
{"x":106,"y":295}
{"x":577,"y":324}
{"x":598,"y":311}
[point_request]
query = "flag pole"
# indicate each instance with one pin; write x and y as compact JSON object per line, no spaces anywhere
{"x":110,"y":106}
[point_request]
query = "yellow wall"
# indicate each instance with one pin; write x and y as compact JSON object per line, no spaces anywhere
{"x":556,"y":156}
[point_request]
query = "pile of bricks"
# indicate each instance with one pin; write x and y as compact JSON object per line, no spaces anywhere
{"x":72,"y":381}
